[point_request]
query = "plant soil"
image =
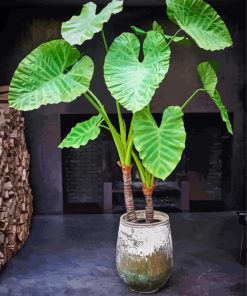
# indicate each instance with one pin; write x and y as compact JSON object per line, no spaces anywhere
{"x":143,"y":221}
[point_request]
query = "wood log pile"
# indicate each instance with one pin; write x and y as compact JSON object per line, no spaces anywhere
{"x":15,"y":192}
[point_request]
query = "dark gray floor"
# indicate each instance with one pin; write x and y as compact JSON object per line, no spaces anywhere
{"x":75,"y":255}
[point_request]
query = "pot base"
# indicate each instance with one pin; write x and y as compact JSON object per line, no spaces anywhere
{"x":141,"y":292}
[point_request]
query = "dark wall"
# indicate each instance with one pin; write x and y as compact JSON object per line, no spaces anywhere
{"x":22,"y":29}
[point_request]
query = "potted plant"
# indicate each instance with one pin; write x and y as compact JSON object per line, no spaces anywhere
{"x":57,"y":72}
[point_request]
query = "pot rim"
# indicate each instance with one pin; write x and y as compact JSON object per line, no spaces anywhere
{"x":161,"y":215}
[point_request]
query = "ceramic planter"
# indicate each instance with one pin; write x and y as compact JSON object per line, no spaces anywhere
{"x":144,"y":252}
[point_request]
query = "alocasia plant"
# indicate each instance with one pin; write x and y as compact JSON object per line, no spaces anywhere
{"x":57,"y":72}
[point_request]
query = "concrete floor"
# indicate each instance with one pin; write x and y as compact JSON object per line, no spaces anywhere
{"x":75,"y":255}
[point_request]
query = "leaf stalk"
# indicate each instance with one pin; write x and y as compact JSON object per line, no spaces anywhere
{"x":191,"y":97}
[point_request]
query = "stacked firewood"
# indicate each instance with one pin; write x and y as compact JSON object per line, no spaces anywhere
{"x":15,"y":192}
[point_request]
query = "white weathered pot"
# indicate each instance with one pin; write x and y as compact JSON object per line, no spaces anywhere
{"x":144,"y":252}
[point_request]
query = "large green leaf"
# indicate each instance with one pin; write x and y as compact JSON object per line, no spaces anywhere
{"x":83,"y":27}
{"x":82,"y":133}
{"x":199,"y":20}
{"x":131,"y":82}
{"x":209,"y":81}
{"x":160,"y":148}
{"x":45,"y":76}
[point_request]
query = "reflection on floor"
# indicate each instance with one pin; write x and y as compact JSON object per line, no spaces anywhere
{"x":75,"y":255}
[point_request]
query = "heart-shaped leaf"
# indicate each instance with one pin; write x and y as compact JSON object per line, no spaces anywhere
{"x":131,"y":82}
{"x":209,"y":81}
{"x":83,"y":27}
{"x":199,"y":20}
{"x":82,"y":133}
{"x":45,"y":76}
{"x":160,"y":148}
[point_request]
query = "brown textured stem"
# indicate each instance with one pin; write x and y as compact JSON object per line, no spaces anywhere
{"x":128,"y":194}
{"x":148,"y":193}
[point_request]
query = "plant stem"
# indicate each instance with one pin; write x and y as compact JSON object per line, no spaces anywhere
{"x":128,"y":193}
{"x":97,"y":101}
{"x":191,"y":97}
{"x":117,"y":140}
{"x":130,"y":129}
{"x":139,"y":166}
{"x":126,"y":149}
{"x":148,"y":193}
{"x":120,"y":118}
{"x":129,"y":150}
{"x":129,"y":144}
{"x":87,"y":96}
{"x":147,"y":189}
{"x":170,"y":41}
{"x":104,"y":40}
{"x":104,"y":114}
{"x":147,"y":175}
{"x":105,"y":127}
{"x":121,"y":125}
